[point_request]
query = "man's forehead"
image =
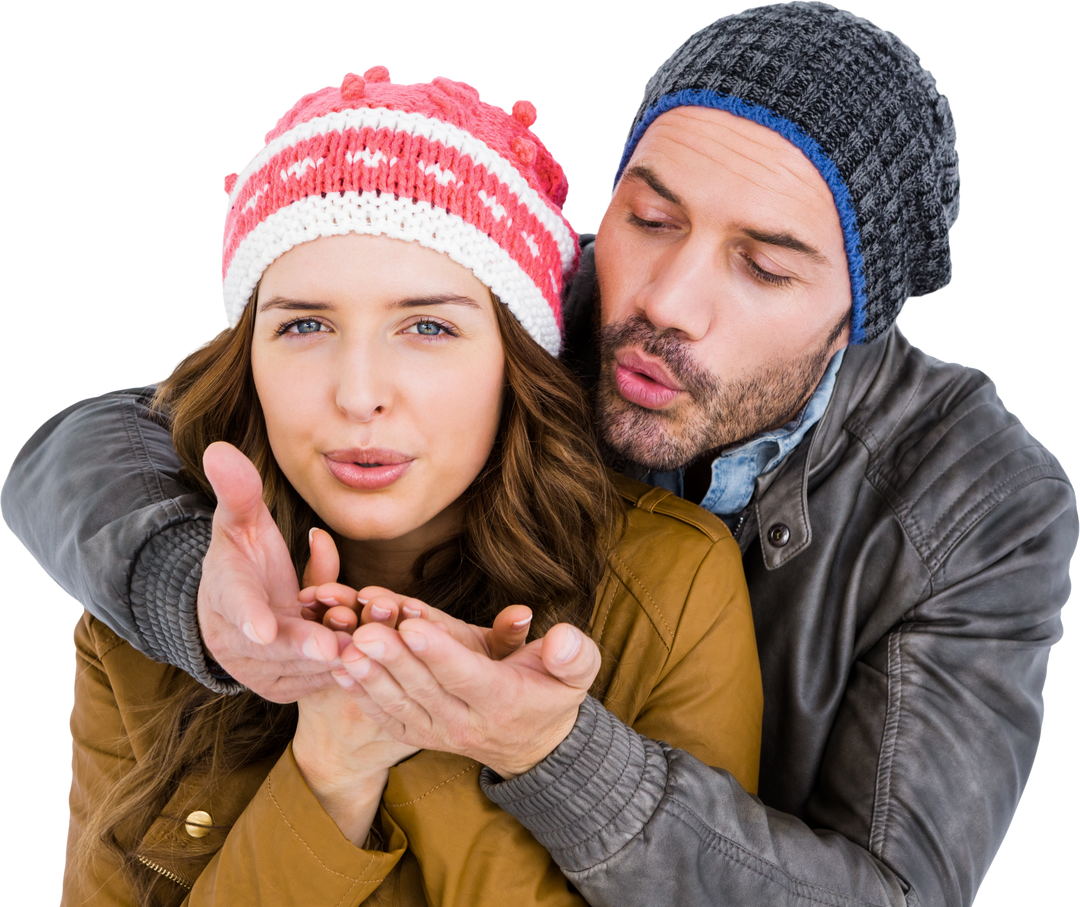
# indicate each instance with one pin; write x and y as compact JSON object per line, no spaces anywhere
{"x":719,"y":138}
{"x":738,"y":174}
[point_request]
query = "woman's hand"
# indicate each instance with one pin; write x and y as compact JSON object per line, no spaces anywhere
{"x":343,"y":755}
{"x":345,"y":758}
{"x":343,"y":609}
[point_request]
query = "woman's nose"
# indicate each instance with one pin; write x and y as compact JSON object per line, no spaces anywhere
{"x":364,"y":386}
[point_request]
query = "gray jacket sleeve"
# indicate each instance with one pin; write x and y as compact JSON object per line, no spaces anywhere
{"x":97,"y":498}
{"x":632,"y":821}
{"x":941,"y":730}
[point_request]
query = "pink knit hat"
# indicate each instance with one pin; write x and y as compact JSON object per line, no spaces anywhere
{"x":430,"y":163}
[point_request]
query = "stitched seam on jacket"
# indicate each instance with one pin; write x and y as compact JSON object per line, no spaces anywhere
{"x":981,"y":504}
{"x":608,"y":599}
{"x":147,"y":473}
{"x":673,"y":509}
{"x":435,"y":788}
{"x":645,"y":592}
{"x":740,"y":855}
{"x":864,"y":426}
{"x":958,"y":457}
{"x":285,"y":819}
{"x":114,"y":645}
{"x":883,"y":782}
{"x":663,"y":502}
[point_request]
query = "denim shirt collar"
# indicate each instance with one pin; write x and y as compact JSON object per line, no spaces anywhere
{"x":735,"y":471}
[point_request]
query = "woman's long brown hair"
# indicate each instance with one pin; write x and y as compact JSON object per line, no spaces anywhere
{"x":538,"y":524}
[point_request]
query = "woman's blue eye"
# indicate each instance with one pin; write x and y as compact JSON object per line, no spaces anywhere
{"x":301,"y":326}
{"x":433,"y":329}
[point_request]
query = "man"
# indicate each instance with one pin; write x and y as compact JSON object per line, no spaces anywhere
{"x":789,"y":181}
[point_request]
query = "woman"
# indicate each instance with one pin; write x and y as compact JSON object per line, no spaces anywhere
{"x":393,"y":264}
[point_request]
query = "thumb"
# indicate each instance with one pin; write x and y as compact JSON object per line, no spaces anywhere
{"x":570,"y":656}
{"x":324,"y":564}
{"x":236,"y":484}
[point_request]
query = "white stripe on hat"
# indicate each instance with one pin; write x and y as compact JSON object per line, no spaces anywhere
{"x":383,"y":215}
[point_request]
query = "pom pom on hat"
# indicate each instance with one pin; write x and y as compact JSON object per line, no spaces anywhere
{"x":525,"y":150}
{"x":352,"y":87}
{"x":377,"y":74}
{"x":524,"y":112}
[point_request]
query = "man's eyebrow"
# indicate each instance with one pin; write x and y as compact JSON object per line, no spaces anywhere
{"x":786,"y":241}
{"x":409,"y":302}
{"x":647,"y":176}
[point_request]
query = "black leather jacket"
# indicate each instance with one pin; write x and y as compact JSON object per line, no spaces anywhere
{"x":907,"y":564}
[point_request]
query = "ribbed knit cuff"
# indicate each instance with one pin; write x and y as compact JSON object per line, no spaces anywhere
{"x":591,"y":795}
{"x":164,"y":593}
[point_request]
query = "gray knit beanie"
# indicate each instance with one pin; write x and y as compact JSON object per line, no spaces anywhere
{"x":855,"y":100}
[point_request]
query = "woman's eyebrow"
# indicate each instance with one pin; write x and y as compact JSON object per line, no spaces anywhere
{"x":416,"y":302}
{"x":409,"y":302}
{"x":307,"y":305}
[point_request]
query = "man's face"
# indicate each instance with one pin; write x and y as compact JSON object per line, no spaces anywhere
{"x":724,"y":288}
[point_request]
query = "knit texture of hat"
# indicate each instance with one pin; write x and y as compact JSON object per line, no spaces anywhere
{"x":428,"y":163}
{"x":855,"y":100}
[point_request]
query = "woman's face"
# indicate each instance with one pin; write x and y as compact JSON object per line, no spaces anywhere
{"x":379,"y":367}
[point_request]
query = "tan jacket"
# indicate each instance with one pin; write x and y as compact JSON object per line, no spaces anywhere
{"x":672,"y":620}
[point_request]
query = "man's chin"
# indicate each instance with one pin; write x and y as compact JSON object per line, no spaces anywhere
{"x":652,"y":440}
{"x":630,"y":441}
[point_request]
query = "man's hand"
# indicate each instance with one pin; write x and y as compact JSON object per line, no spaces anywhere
{"x":429,"y":690}
{"x":247,"y":606}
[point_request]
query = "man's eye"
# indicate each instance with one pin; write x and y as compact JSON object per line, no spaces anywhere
{"x":652,"y":225}
{"x":774,"y":280}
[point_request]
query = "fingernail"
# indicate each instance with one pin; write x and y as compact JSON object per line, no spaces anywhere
{"x":378,"y":612}
{"x":415,"y":641}
{"x":411,"y":612}
{"x":374,"y":649}
{"x":362,"y":601}
{"x":327,"y":601}
{"x":310,"y":535}
{"x":311,"y":649}
{"x":521,"y":624}
{"x":570,"y":647}
{"x":250,"y":633}
{"x":343,"y":679}
{"x":336,"y":624}
{"x":359,"y":668}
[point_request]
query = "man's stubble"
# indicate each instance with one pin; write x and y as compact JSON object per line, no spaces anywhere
{"x":717,"y":415}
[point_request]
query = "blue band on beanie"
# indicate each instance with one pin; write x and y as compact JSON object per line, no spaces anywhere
{"x":696,"y":97}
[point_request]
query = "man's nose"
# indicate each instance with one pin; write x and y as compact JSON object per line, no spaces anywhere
{"x":680,"y":293}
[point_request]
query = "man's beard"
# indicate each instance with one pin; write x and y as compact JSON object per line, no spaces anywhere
{"x":718,"y":413}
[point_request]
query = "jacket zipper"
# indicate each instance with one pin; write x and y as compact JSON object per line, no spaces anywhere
{"x":171,"y":876}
